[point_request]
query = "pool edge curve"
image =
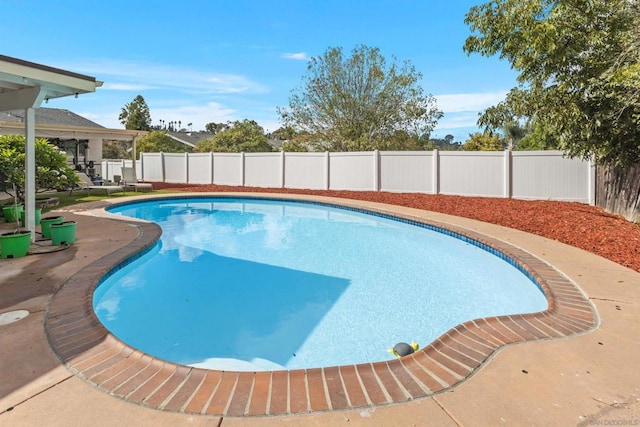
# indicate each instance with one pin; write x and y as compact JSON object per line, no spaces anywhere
{"x":88,"y":350}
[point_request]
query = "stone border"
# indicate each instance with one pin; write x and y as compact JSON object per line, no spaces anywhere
{"x":92,"y":353}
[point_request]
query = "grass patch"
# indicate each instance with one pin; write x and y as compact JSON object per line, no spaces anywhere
{"x":65,"y":199}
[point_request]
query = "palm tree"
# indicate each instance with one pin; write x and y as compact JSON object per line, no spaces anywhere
{"x":513,"y":133}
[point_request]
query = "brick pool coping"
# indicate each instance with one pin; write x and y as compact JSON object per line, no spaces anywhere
{"x":92,"y":353}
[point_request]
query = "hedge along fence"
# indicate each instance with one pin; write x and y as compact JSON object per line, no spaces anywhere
{"x":535,"y":175}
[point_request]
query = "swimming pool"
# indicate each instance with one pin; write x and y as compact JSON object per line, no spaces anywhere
{"x":250,"y":284}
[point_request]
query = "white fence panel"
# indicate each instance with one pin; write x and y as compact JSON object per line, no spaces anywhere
{"x":152,"y":167}
{"x":547,"y":175}
{"x":227,"y":168}
{"x":199,"y":168}
{"x":472,"y":173}
{"x":352,"y":171}
{"x":175,"y":168}
{"x":112,"y":169}
{"x":263,"y":170}
{"x":305,"y":170}
{"x":525,"y":175}
{"x":129,"y":164}
{"x":406,"y":171}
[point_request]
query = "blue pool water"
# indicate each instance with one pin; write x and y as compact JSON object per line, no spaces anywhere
{"x":251,"y":284}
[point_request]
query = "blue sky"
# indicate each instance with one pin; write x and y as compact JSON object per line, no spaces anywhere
{"x":200,"y":61}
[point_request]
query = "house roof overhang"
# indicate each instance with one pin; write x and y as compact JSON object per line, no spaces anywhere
{"x":26,"y":84}
{"x":73,"y":132}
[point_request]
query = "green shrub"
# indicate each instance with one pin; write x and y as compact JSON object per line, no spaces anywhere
{"x":52,"y":171}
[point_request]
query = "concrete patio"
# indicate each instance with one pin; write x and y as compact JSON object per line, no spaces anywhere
{"x":589,"y":379}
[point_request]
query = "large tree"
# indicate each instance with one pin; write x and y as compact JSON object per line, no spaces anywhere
{"x":579,"y":72}
{"x":237,"y":136}
{"x":115,"y":150}
{"x":135,"y":115}
{"x":284,"y":134}
{"x":447,"y":143}
{"x":538,"y":137}
{"x":359,"y":102}
{"x":214,"y":127}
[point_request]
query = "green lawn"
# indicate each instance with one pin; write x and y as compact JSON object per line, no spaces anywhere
{"x":78,"y":196}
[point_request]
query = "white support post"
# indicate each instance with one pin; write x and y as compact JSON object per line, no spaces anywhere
{"x":282,"y":166}
{"x":242,"y":168}
{"x":508,"y":179}
{"x":211,"y":167}
{"x":436,"y":171}
{"x":376,"y":170}
{"x":162,"y":167}
{"x":141,"y":176}
{"x":134,"y":156}
{"x":592,"y":180}
{"x":327,"y":166}
{"x":30,"y":172}
{"x":186,"y":167}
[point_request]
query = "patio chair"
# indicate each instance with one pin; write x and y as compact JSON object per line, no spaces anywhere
{"x":129,"y":179}
{"x":86,"y":184}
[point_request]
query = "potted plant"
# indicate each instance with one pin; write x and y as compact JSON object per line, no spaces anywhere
{"x":47,"y":222}
{"x":15,"y":243}
{"x":52,"y":171}
{"x":12,"y":212}
{"x":63,"y":233}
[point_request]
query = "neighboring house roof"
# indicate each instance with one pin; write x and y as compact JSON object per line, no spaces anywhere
{"x":192,"y":138}
{"x":277,"y":143}
{"x":189,"y":138}
{"x":50,"y":116}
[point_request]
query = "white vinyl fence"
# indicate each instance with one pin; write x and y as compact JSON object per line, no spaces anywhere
{"x":112,"y":169}
{"x":540,"y":175}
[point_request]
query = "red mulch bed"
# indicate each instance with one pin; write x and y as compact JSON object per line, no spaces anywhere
{"x":576,"y":224}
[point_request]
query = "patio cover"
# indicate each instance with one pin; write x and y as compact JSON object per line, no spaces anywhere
{"x":24,"y":85}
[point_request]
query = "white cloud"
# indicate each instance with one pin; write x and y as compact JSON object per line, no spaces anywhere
{"x":269,"y":125}
{"x":131,"y":75}
{"x":185,"y":109}
{"x":458,"y":120}
{"x":298,"y":56}
{"x":127,"y":87}
{"x":461,"y":112}
{"x":453,"y":103}
{"x":460,"y":125}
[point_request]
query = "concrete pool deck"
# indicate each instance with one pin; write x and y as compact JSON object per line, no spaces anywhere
{"x":586,"y":378}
